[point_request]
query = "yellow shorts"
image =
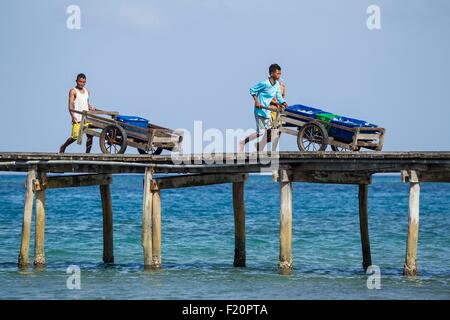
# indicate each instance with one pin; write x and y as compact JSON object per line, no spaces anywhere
{"x":76,"y":129}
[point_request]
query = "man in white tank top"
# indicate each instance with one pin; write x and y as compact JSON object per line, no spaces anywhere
{"x":79,"y":101}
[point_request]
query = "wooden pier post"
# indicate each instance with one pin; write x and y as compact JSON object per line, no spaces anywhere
{"x":39,"y":239}
{"x":285,"y":259}
{"x":364,"y":225}
{"x":146,"y":237}
{"x":156,"y":229}
{"x":108,"y":244}
{"x":24,"y":259}
{"x":239,"y":224}
{"x":410,"y":267}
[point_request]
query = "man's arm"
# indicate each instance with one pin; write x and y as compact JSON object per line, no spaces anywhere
{"x":280,"y":99}
{"x":72,"y":95}
{"x":255,"y":90}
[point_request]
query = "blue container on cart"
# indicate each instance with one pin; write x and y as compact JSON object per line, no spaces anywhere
{"x":347,"y":136}
{"x":133,"y":120}
{"x":304,"y":110}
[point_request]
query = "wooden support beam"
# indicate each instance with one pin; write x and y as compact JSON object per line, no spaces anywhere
{"x":285,"y":259}
{"x":410,"y":266}
{"x":332,"y":177}
{"x":39,"y":248}
{"x":196,"y":180}
{"x":108,"y":243}
{"x":364,"y":225}
{"x":24,"y":258}
{"x":146,"y":236}
{"x":156,"y":230}
{"x":81,"y":180}
{"x":239,"y":224}
{"x":426,"y":176}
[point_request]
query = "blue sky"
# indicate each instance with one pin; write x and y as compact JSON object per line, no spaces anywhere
{"x":175,"y":62}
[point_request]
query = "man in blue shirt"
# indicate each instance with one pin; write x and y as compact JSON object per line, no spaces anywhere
{"x":263,"y":93}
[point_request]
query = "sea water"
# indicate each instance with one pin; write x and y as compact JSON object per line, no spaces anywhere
{"x":198,"y":243}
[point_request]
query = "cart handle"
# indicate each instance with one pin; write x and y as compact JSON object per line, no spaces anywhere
{"x":111,"y":113}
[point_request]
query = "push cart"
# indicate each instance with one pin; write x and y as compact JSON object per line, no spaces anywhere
{"x":317,"y":129}
{"x":116,"y":133}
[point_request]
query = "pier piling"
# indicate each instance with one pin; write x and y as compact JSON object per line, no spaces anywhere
{"x":285,"y":259}
{"x":108,"y":247}
{"x":156,"y":229}
{"x":239,"y":224}
{"x":39,"y":251}
{"x":410,"y":267}
{"x":146,"y":237}
{"x":24,"y":258}
{"x":364,"y":225}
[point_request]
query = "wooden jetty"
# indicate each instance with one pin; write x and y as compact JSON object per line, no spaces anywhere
{"x":199,"y":170}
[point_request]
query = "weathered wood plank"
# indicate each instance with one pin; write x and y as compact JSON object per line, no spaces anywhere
{"x":108,"y":242}
{"x":285,"y":259}
{"x":72,"y":181}
{"x":410,"y":266}
{"x":24,"y":258}
{"x":146,"y":236}
{"x":196,"y":180}
{"x":332,"y":177}
{"x":239,"y":224}
{"x":156,"y":230}
{"x":364,"y":225}
{"x":39,"y":248}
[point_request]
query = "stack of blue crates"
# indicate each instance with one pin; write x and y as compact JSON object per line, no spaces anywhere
{"x":337,"y":133}
{"x":133,"y":120}
{"x":305,"y":110}
{"x":347,"y":136}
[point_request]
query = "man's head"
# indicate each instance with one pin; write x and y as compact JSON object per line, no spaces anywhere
{"x":275,"y":71}
{"x":81,"y":80}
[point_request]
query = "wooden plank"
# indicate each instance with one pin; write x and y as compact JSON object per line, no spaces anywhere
{"x":146,"y":236}
{"x":239,"y":224}
{"x":156,"y":230}
{"x":368,"y":136}
{"x":71,"y":181}
{"x":293,"y":132}
{"x":39,"y":248}
{"x":196,"y":180}
{"x":285,"y":259}
{"x":364,"y":225}
{"x":410,"y":266}
{"x":108,"y":243}
{"x":332,"y":177}
{"x":425,"y":176}
{"x":24,"y":258}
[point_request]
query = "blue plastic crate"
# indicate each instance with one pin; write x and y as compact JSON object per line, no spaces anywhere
{"x":304,"y":110}
{"x":347,"y":136}
{"x":133,"y":120}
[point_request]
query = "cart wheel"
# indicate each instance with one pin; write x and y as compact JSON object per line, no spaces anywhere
{"x":312,"y":137}
{"x":113,"y":139}
{"x":342,"y":149}
{"x":153,"y":151}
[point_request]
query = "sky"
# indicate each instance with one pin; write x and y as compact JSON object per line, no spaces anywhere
{"x":176,"y":62}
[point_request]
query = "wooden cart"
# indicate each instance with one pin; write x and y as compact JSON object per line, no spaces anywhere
{"x":115,"y":136}
{"x":312,"y":134}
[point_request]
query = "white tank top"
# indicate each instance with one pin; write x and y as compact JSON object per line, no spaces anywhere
{"x":81,"y":102}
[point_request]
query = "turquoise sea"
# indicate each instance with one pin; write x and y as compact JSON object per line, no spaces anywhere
{"x":198,"y":243}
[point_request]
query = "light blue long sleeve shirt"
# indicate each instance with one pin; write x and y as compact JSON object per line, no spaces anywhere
{"x":265,"y":91}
